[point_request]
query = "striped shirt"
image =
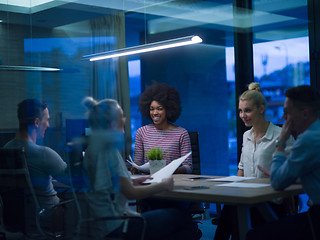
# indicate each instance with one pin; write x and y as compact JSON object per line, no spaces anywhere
{"x":174,"y":143}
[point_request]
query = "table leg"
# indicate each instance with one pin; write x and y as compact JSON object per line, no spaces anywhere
{"x":244,"y":220}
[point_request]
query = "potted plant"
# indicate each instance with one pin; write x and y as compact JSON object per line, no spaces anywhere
{"x":155,"y":157}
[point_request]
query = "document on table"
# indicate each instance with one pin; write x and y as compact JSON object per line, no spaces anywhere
{"x":231,"y":179}
{"x":243,"y":185}
{"x":168,"y":170}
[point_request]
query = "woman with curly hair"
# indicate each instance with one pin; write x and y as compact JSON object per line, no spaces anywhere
{"x":112,"y":185}
{"x":161,"y":103}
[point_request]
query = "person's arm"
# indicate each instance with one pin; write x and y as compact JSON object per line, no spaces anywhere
{"x":285,"y":170}
{"x":281,"y":172}
{"x":183,"y":169}
{"x":138,"y":149}
{"x":56,"y":167}
{"x":142,"y":191}
{"x":53,"y":163}
{"x":240,"y":172}
{"x":138,"y":152}
{"x":140,"y":180}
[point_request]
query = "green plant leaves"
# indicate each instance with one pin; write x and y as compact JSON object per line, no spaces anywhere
{"x":155,"y":154}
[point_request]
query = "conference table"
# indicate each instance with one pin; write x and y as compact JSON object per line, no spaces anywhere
{"x":242,"y":194}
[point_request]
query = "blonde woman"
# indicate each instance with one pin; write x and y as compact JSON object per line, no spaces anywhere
{"x":260,"y":141}
{"x":259,"y":144}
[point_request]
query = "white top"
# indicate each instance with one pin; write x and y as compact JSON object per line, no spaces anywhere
{"x":260,"y":154}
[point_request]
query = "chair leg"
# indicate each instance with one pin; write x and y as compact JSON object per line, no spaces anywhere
{"x":206,"y":210}
{"x":215,"y":221}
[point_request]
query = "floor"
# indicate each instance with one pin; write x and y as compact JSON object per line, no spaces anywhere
{"x":207,"y":228}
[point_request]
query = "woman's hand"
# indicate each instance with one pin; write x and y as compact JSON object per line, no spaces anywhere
{"x":133,"y":170}
{"x":265,"y":171}
{"x":168,"y":183}
{"x":180,"y":170}
{"x":139,"y":181}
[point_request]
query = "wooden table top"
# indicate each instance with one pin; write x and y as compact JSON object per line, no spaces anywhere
{"x":223,"y":194}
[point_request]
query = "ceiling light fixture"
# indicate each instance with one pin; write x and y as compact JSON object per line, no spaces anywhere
{"x":28,"y":68}
{"x":177,"y":42}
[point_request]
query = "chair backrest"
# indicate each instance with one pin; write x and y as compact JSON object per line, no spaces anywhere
{"x":16,"y":191}
{"x":194,"y":139}
{"x":6,"y":136}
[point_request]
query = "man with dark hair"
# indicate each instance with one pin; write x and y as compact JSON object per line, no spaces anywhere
{"x":43,"y":162}
{"x":301,"y":112}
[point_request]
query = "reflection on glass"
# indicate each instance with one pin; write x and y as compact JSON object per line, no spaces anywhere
{"x":279,"y":65}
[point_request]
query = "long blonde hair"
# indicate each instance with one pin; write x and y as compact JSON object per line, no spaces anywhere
{"x":254,"y":94}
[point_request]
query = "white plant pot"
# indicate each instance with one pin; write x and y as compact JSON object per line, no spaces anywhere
{"x":156,"y":165}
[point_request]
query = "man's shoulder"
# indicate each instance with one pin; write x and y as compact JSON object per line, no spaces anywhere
{"x":312,"y":134}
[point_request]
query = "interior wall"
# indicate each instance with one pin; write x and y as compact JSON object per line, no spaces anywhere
{"x":12,"y":84}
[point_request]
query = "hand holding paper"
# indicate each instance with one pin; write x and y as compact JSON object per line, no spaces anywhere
{"x":143,"y":168}
{"x":168,"y":170}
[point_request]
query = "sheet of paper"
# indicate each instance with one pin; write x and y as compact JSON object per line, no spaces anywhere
{"x":230,"y":179}
{"x":168,"y":170}
{"x":143,"y":168}
{"x":243,"y":185}
{"x":134,"y":176}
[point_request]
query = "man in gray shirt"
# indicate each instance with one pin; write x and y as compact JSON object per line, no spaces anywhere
{"x":43,"y":162}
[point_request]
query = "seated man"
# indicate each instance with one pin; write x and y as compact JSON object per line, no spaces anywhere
{"x":43,"y":162}
{"x":301,"y":112}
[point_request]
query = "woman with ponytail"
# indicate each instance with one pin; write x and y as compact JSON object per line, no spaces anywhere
{"x":112,"y":185}
{"x":259,"y":143}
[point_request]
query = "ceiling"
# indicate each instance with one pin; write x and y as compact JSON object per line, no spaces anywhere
{"x":270,"y":19}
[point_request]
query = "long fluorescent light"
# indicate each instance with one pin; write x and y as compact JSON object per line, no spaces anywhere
{"x":177,"y":42}
{"x":28,"y":68}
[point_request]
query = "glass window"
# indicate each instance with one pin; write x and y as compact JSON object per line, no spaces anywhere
{"x":279,"y":65}
{"x":58,"y":34}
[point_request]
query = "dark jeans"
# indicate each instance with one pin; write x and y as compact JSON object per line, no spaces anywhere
{"x":228,"y":221}
{"x":303,"y":226}
{"x":169,"y":223}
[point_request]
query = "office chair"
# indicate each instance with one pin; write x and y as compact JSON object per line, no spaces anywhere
{"x":201,"y":208}
{"x":81,"y":190}
{"x":196,"y":207}
{"x":21,"y":210}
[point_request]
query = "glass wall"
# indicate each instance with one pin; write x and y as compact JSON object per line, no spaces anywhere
{"x":57,"y":34}
{"x":279,"y":65}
